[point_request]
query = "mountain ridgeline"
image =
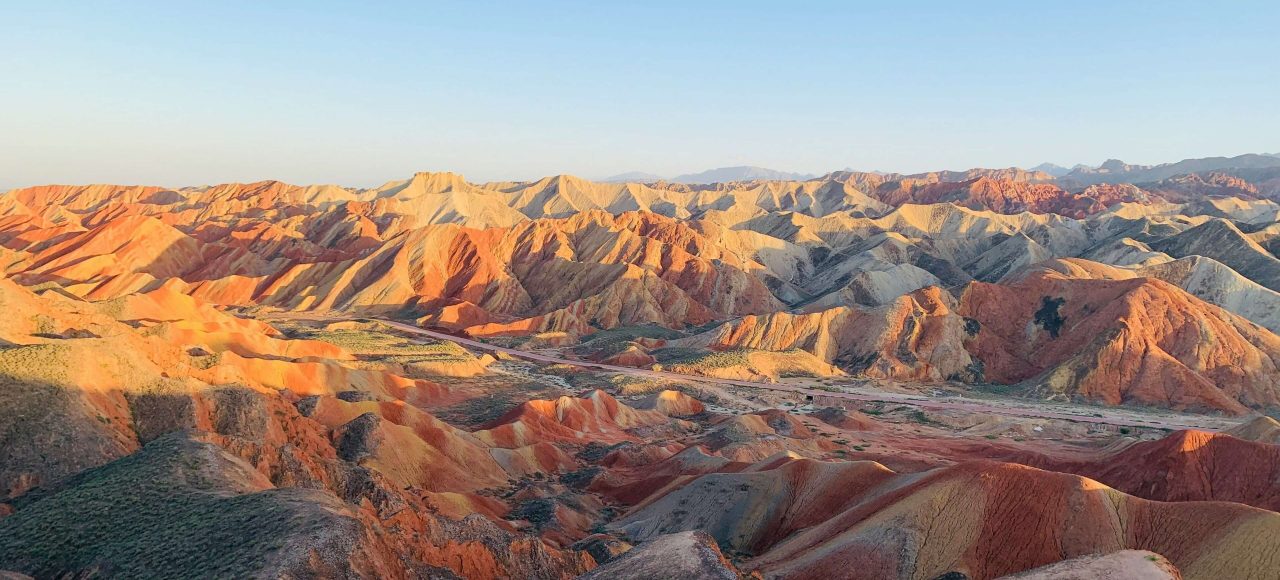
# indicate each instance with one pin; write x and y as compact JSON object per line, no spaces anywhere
{"x":1038,"y":279}
{"x":958,"y":374}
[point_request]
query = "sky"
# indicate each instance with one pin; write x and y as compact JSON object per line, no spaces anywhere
{"x":184,"y":93}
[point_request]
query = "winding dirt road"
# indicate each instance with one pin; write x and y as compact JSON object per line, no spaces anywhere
{"x":1115,"y":417}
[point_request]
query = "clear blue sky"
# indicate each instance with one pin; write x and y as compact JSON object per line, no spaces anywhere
{"x":179,"y":93}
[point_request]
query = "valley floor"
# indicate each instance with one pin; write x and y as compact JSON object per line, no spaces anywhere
{"x":860,"y":392}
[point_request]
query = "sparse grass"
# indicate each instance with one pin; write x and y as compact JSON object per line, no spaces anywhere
{"x":715,"y":359}
{"x":578,"y":378}
{"x":495,"y":395}
{"x":44,"y":324}
{"x":595,"y":451}
{"x":384,"y":346}
{"x":630,"y":385}
{"x":539,"y":512}
{"x":44,"y":362}
{"x":163,"y":512}
{"x":675,"y":354}
{"x":920,"y":417}
{"x":603,"y":350}
{"x":694,"y":330}
{"x":504,"y":341}
{"x":624,"y":334}
{"x":206,"y":361}
{"x":581,"y":478}
{"x":113,"y":307}
{"x":478,"y":410}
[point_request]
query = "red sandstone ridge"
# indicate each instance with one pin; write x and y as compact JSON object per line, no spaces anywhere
{"x":596,"y":417}
{"x":156,"y":409}
{"x":1007,"y":196}
{"x":1192,"y":465}
{"x":806,"y":520}
{"x":918,"y":336}
{"x":672,"y":404}
{"x":1136,"y":340}
{"x":632,"y":356}
{"x":1140,"y":340}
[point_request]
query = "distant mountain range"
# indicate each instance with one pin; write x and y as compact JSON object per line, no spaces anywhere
{"x":633,"y":177}
{"x":1058,"y":170}
{"x":1116,"y":171}
{"x":741,"y":173}
{"x":718,"y":175}
{"x":1110,"y":171}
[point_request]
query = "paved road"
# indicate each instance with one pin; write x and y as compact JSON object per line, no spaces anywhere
{"x":955,"y":403}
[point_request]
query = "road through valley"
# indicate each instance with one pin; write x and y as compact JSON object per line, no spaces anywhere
{"x":1115,"y":416}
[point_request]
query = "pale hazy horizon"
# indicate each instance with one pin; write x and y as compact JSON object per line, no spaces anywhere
{"x":154,"y":93}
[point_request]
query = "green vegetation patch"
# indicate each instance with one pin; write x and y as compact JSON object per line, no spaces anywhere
{"x":540,"y":512}
{"x":706,"y":359}
{"x":615,"y":340}
{"x":630,"y":333}
{"x":1048,"y":318}
{"x":382,"y":345}
{"x":43,"y":362}
{"x":176,"y":509}
{"x":919,"y":416}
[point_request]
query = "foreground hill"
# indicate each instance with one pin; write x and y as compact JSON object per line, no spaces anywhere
{"x":154,"y":434}
{"x":118,"y":520}
{"x":151,"y":431}
{"x":980,"y":519}
{"x":1139,"y":340}
{"x":1193,"y":465}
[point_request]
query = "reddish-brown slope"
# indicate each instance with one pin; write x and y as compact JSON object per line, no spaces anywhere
{"x":1136,"y":340}
{"x":917,"y":336}
{"x":596,"y":417}
{"x":399,"y":478}
{"x":1006,"y":195}
{"x":592,"y":269}
{"x":1139,"y":340}
{"x":1192,"y":465}
{"x":981,"y":519}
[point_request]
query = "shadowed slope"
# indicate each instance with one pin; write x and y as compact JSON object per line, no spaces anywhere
{"x":982,"y":519}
